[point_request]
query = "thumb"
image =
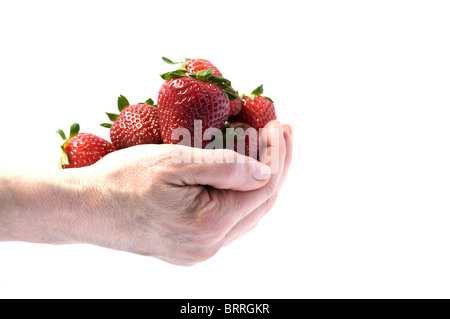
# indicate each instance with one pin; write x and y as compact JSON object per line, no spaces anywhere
{"x":224,"y":169}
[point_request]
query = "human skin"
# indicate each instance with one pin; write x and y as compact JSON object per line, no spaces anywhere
{"x":140,"y":201}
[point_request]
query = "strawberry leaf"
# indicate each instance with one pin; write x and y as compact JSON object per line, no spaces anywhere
{"x":206,"y":76}
{"x":232,"y":95}
{"x":74,"y":130}
{"x":182,"y":66}
{"x":62,"y":134}
{"x":268,"y":98}
{"x":173,"y":75}
{"x":150,"y":102}
{"x":168,"y":61}
{"x":218,"y":79}
{"x":113,"y":117}
{"x":122,"y":103}
{"x":203,"y":73}
{"x":107,"y":125}
{"x":259,"y":90}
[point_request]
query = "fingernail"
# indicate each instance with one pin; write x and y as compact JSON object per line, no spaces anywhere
{"x":260,"y":171}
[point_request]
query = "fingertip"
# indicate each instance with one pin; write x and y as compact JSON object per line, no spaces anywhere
{"x":288,"y":137}
{"x":259,"y":171}
{"x":273,"y":123}
{"x":288,"y":130}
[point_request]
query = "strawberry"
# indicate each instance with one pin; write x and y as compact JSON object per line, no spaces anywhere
{"x":82,"y":149}
{"x":236,"y":106}
{"x":186,"y":97}
{"x":241,"y":138}
{"x":257,"y":110}
{"x":136,"y":124}
{"x":194,"y":65}
{"x":197,"y":65}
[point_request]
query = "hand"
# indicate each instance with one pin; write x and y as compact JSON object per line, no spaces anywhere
{"x":141,"y":201}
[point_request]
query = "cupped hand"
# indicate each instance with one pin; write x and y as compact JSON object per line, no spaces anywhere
{"x":147,"y":201}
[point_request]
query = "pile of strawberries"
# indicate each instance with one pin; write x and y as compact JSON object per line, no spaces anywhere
{"x":196,"y":92}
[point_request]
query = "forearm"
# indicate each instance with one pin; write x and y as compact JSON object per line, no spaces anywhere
{"x":68,"y":207}
{"x":37,"y":206}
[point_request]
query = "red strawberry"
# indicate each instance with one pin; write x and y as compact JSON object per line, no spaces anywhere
{"x":184,"y":98}
{"x":241,"y":138}
{"x":197,"y":65}
{"x":194,"y":65}
{"x":236,"y":106}
{"x":82,"y":149}
{"x":136,"y":124}
{"x":257,"y":110}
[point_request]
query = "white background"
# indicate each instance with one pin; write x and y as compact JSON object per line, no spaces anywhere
{"x":365,"y":84}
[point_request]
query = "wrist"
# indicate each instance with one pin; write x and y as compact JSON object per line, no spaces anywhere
{"x":37,"y":206}
{"x":5,"y":206}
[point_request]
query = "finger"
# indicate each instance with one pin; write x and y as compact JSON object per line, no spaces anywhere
{"x":222,"y":169}
{"x":274,"y":157}
{"x":289,"y":139}
{"x":251,"y":220}
{"x":243,"y":203}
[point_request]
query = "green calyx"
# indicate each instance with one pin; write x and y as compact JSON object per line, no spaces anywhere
{"x":74,"y":130}
{"x":168,"y":61}
{"x":182,"y":66}
{"x":258,"y":91}
{"x":206,"y":76}
{"x":149,"y":102}
{"x":122,"y":102}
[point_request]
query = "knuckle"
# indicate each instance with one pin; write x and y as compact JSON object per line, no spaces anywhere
{"x":230,"y":156}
